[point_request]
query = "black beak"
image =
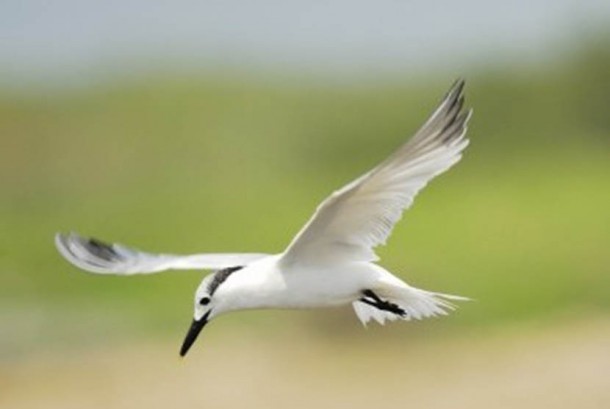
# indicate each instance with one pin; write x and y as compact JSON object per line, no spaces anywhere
{"x":193,"y":333}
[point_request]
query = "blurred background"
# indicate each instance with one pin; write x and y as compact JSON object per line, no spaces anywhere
{"x":211,"y":126}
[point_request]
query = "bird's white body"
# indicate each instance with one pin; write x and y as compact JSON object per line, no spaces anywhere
{"x":331,"y":261}
{"x":266,"y":283}
{"x":269,"y":283}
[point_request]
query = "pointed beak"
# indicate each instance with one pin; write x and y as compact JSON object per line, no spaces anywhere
{"x":193,"y":333}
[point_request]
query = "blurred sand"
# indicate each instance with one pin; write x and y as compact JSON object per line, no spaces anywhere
{"x":558,"y":366}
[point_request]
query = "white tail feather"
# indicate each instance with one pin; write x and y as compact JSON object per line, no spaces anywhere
{"x":417,"y":304}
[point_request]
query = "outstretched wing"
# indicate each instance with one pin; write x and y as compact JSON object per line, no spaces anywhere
{"x":360,"y":216}
{"x":103,"y":258}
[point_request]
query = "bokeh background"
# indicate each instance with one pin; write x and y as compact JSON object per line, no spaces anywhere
{"x":218,"y":126}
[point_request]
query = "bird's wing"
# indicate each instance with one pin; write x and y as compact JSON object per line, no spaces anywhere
{"x":98,"y":257}
{"x":360,"y":216}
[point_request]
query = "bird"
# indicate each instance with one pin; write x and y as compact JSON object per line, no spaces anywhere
{"x":331,"y":261}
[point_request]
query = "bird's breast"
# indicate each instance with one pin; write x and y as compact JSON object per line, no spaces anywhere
{"x":267,"y":285}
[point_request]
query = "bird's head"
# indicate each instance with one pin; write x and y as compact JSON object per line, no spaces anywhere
{"x":208,"y":304}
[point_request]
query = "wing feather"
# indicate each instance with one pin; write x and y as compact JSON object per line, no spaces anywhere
{"x":360,"y":216}
{"x":99,"y":257}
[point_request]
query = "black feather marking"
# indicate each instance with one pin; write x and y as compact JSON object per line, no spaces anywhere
{"x":220,"y":277}
{"x":454,"y":129}
{"x":101,"y":249}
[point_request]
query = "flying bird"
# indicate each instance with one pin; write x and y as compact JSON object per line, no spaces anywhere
{"x":331,"y":261}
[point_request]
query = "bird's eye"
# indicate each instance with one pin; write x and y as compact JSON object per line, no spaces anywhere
{"x":204,"y":301}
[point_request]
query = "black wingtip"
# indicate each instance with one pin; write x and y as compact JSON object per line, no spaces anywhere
{"x":457,"y":89}
{"x":460,"y":82}
{"x":100,"y":249}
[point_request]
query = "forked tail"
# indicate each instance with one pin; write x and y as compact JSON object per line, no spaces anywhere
{"x":405,"y":303}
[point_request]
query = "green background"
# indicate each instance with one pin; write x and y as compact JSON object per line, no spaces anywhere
{"x":211,"y":165}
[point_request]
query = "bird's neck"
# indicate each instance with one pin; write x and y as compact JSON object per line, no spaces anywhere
{"x":256,"y":286}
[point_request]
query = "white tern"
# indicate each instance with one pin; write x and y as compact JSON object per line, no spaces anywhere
{"x":331,"y":261}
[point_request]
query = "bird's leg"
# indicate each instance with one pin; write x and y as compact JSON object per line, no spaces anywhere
{"x":373,"y":299}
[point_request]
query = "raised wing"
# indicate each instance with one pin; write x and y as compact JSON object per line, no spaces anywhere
{"x":360,"y":216}
{"x":103,"y":258}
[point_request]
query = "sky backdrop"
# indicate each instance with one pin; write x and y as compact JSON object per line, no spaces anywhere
{"x":73,"y":40}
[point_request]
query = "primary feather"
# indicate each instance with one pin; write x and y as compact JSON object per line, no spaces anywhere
{"x":99,"y":257}
{"x":352,"y":221}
